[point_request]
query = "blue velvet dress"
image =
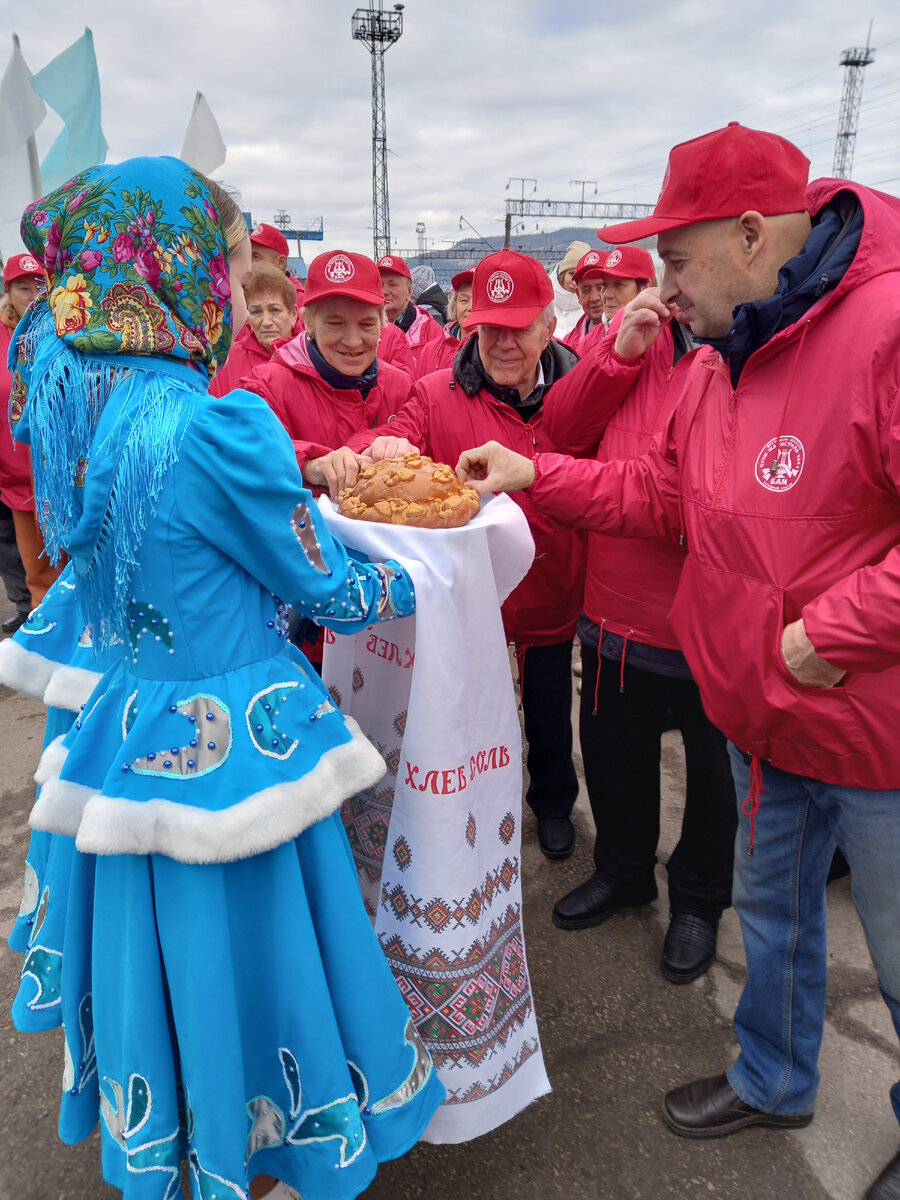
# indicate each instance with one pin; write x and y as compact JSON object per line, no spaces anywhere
{"x":224,"y":998}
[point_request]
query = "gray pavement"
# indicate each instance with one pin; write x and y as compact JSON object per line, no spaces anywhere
{"x":616,"y":1036}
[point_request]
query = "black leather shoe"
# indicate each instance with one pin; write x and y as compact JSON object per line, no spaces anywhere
{"x":689,"y":948}
{"x":556,"y":836}
{"x":595,"y":900}
{"x":887,"y":1185}
{"x":710,"y":1108}
{"x":16,"y":621}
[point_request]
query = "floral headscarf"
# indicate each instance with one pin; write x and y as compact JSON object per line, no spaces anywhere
{"x":138,"y":293}
{"x":132,"y":270}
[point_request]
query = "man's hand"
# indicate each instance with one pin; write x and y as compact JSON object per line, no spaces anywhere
{"x":495,"y":468}
{"x":335,"y":471}
{"x":642,"y":323}
{"x":390,"y":447}
{"x":802,"y":661}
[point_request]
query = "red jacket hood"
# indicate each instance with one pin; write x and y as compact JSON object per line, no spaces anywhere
{"x":879,"y":247}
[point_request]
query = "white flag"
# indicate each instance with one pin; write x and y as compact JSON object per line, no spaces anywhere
{"x":21,"y":109}
{"x":21,"y":112}
{"x":203,"y":147}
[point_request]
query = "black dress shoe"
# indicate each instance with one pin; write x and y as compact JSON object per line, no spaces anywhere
{"x":887,"y":1185}
{"x":595,"y":900}
{"x":556,"y":836}
{"x":16,"y":621}
{"x":689,"y":948}
{"x":711,"y":1108}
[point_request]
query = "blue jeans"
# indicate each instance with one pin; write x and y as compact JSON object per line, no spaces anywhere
{"x":779,"y":894}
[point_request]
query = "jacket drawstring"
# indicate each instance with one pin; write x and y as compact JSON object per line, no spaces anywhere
{"x":597,"y":680}
{"x":520,"y":667}
{"x":628,"y":635}
{"x":755,"y":792}
{"x":789,"y":388}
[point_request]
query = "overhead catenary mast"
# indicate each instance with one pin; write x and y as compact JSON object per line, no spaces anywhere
{"x":378,"y":30}
{"x":854,"y":62}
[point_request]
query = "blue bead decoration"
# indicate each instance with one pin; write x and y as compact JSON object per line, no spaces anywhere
{"x":270,"y":624}
{"x":267,"y":707}
{"x":173,"y":708}
{"x":259,"y":729}
{"x":210,"y":745}
{"x":126,"y":767}
{"x":151,"y":756}
{"x":166,"y":763}
{"x":192,"y":743}
{"x":192,"y":719}
{"x":191,"y":762}
{"x":210,"y":716}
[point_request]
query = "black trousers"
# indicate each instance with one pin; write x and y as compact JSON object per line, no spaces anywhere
{"x":12,"y":572}
{"x":620,"y":747}
{"x":546,"y":679}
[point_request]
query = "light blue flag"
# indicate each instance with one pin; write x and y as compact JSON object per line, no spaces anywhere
{"x":70,"y":84}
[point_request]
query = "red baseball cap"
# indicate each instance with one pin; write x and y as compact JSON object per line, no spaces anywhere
{"x":508,"y":289}
{"x":22,"y":266}
{"x":341,"y":273}
{"x":723,"y":174}
{"x":389,"y":264}
{"x":627,"y":262}
{"x":271,"y":238}
{"x":462,"y":278}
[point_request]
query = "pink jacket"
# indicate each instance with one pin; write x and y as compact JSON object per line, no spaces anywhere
{"x":439,"y":353}
{"x":787,"y":489}
{"x":580,"y":337}
{"x":247,"y":352}
{"x":16,"y":484}
{"x":394,"y":349}
{"x":424,"y":329}
{"x":319,"y":417}
{"x":630,"y":582}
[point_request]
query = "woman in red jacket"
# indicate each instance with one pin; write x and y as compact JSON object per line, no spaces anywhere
{"x":328,"y":383}
{"x":440,"y":353}
{"x":271,"y":315}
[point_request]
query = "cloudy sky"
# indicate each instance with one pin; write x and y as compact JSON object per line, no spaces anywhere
{"x":477,"y":91}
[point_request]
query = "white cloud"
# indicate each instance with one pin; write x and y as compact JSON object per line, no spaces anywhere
{"x":477,"y":91}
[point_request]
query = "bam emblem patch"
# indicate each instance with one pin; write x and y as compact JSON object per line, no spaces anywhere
{"x":780,"y":463}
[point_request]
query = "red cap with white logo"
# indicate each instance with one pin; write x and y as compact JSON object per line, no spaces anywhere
{"x":342,"y":273}
{"x":22,"y":266}
{"x":390,"y":264}
{"x":625,"y":262}
{"x":462,"y":278}
{"x":508,"y":289}
{"x":723,"y":174}
{"x":270,"y":237}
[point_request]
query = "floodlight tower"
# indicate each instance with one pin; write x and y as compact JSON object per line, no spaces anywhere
{"x":854,"y":62}
{"x":378,"y":30}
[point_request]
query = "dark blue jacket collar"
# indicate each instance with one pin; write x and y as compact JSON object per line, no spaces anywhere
{"x":363,"y":383}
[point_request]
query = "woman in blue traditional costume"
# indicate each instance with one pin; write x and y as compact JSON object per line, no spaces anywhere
{"x":224,"y":998}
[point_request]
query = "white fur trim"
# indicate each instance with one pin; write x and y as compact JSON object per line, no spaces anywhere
{"x":60,"y":806}
{"x":259,"y":823}
{"x":51,"y":761}
{"x":70,"y":687}
{"x":24,"y":670}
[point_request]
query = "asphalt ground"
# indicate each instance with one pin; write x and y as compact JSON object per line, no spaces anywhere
{"x":616,"y":1037}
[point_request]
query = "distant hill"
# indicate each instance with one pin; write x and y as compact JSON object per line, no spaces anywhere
{"x":549,"y":246}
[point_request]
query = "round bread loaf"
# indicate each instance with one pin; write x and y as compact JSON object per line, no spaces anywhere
{"x":412,"y":490}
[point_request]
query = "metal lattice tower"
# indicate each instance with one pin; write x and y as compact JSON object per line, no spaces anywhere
{"x":378,"y":30}
{"x":854,"y":62}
